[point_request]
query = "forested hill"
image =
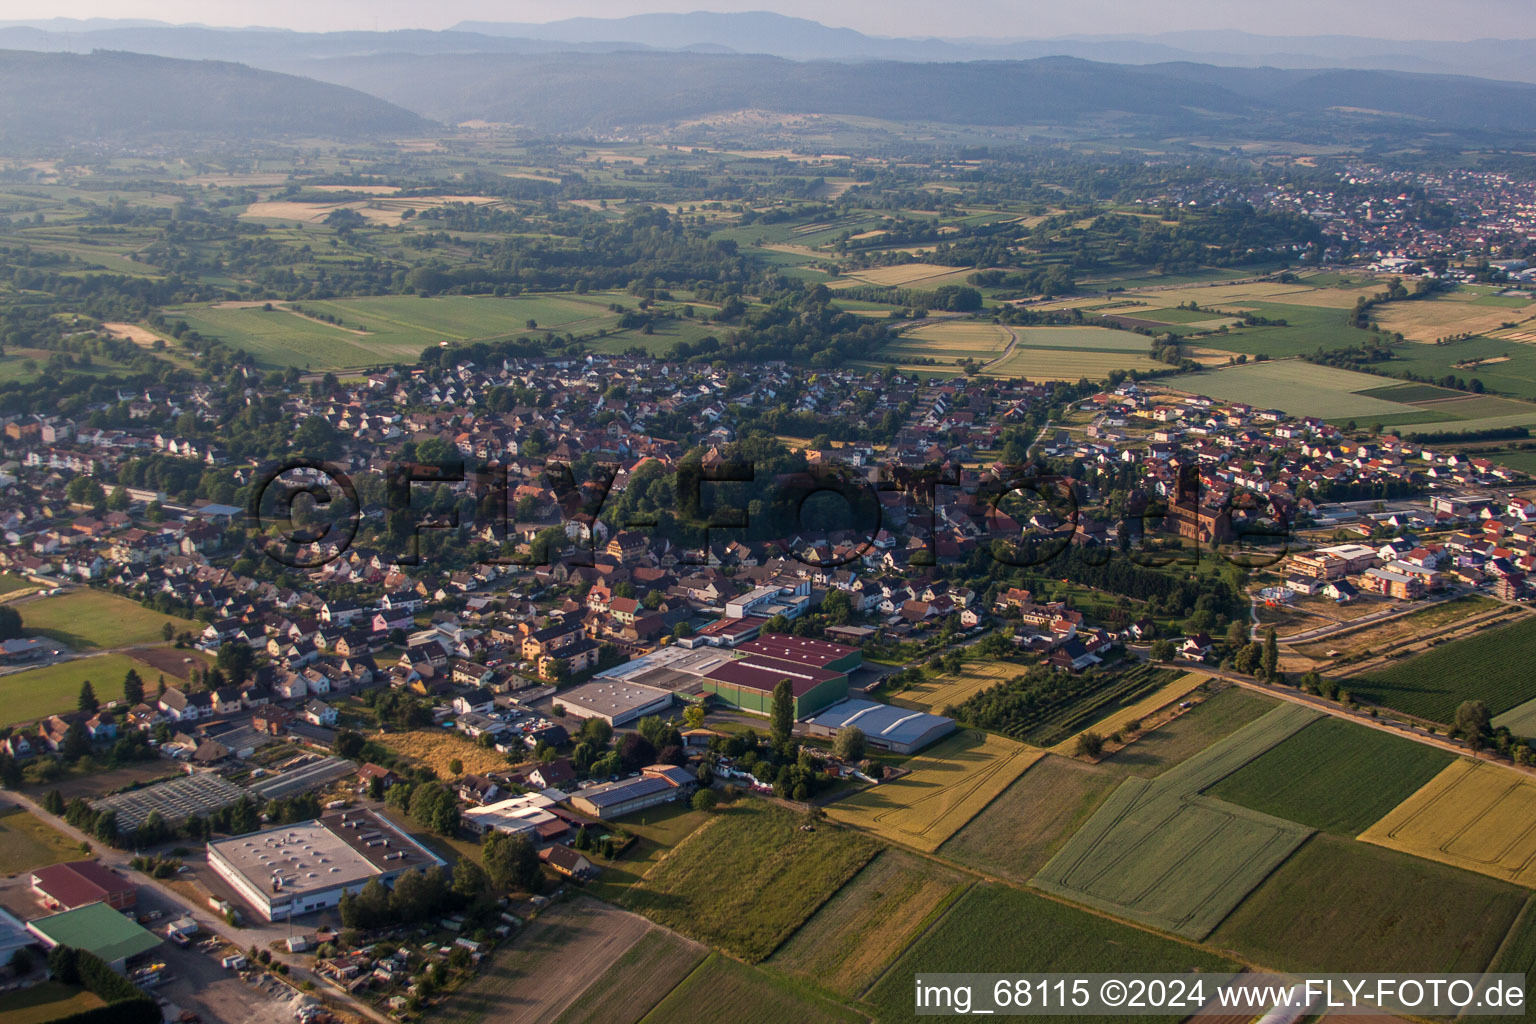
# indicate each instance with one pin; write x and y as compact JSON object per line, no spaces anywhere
{"x":103,"y":96}
{"x":572,"y":92}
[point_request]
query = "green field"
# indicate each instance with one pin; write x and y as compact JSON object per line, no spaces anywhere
{"x":1519,"y":953}
{"x":1339,"y":905}
{"x":1493,"y":667}
{"x":848,"y":942}
{"x":1333,"y":775}
{"x":94,"y":618}
{"x":45,"y":1002}
{"x":1158,"y":853}
{"x":28,"y":842}
{"x":389,"y":328}
{"x":639,"y":979}
{"x":1017,"y":832}
{"x":1155,"y":752}
{"x":1299,"y":388}
{"x":994,"y":928}
{"x":656,"y":830}
{"x":722,"y":991}
{"x":711,"y":887}
{"x":1520,"y":720}
{"x":39,"y":692}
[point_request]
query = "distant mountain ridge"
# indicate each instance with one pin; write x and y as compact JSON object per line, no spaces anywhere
{"x":52,"y":97}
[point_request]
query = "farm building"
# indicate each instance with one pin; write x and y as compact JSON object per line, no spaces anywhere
{"x":295,"y":869}
{"x":82,"y":882}
{"x":898,"y":730}
{"x":96,"y":928}
{"x":658,"y":784}
{"x":617,"y":703}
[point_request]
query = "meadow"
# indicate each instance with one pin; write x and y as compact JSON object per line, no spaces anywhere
{"x":1474,"y":815}
{"x":1172,"y":742}
{"x":1017,"y":833}
{"x":847,"y":943}
{"x":1492,"y":666}
{"x":1060,"y":363}
{"x":722,"y":991}
{"x":656,"y":830}
{"x":39,"y":692}
{"x":27,"y":842}
{"x":47,"y":1001}
{"x":1520,"y":720}
{"x":711,"y":886}
{"x":87,"y":618}
{"x":948,"y":785}
{"x":388,"y":328}
{"x":1299,"y":388}
{"x":1339,"y":905}
{"x":639,"y":979}
{"x":1333,"y":775}
{"x":1157,"y":853}
{"x":1001,"y":929}
{"x":436,"y":748}
{"x":950,"y":341}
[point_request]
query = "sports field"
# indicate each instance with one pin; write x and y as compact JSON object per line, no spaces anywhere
{"x":28,"y":842}
{"x":87,"y":618}
{"x":1474,"y":815}
{"x":1333,"y":775}
{"x":1493,"y":666}
{"x":722,"y":991}
{"x":1002,"y":929}
{"x":1157,"y":853}
{"x":847,"y":943}
{"x":1339,"y":905}
{"x":38,"y":692}
{"x":1017,"y":833}
{"x":712,"y":885}
{"x":949,"y":784}
{"x":1176,"y":690}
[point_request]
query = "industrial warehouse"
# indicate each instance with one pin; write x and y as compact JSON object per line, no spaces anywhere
{"x":295,"y":869}
{"x":742,"y":677}
{"x":893,"y":729}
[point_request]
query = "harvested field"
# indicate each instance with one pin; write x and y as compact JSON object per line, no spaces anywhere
{"x":1001,"y":929}
{"x":711,"y":885}
{"x":926,"y":276}
{"x":435,"y":748}
{"x":1333,"y":775}
{"x":1170,"y":744}
{"x":1157,"y":853}
{"x":132,"y":332}
{"x":951,"y":340}
{"x":935,"y":693}
{"x":1174,"y":691}
{"x":1491,"y":666}
{"x":947,"y":786}
{"x":847,"y":943}
{"x":639,"y":979}
{"x":1041,"y":363}
{"x":1339,"y":905}
{"x":1017,"y":833}
{"x":722,"y":991}
{"x":1474,"y":815}
{"x":1426,"y":320}
{"x":548,"y":965}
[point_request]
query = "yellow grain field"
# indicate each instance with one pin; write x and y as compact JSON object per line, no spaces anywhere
{"x":1428,"y":319}
{"x":953,"y":339}
{"x":907,"y":275}
{"x":1473,"y":815}
{"x":936,"y":693}
{"x":437,"y":748}
{"x":947,"y":787}
{"x":1176,"y":690}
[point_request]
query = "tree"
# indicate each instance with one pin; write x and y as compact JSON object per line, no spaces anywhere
{"x":469,"y":881}
{"x":235,"y":661}
{"x":455,"y":767}
{"x":635,"y":751}
{"x":1473,"y":723}
{"x":1162,"y":650}
{"x":10,"y":623}
{"x":849,"y":744}
{"x":167,"y":631}
{"x":511,"y":862}
{"x":693,"y":716}
{"x":133,"y":688}
{"x":53,"y":803}
{"x":783,"y":712}
{"x":705,"y":800}
{"x":1090,"y":744}
{"x":88,"y":702}
{"x":1271,"y":655}
{"x":349,"y":743}
{"x":432,"y":806}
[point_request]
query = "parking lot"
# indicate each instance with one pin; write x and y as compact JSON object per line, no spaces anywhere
{"x":197,"y":983}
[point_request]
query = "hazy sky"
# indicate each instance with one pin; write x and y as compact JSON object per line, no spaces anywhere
{"x":1400,"y":19}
